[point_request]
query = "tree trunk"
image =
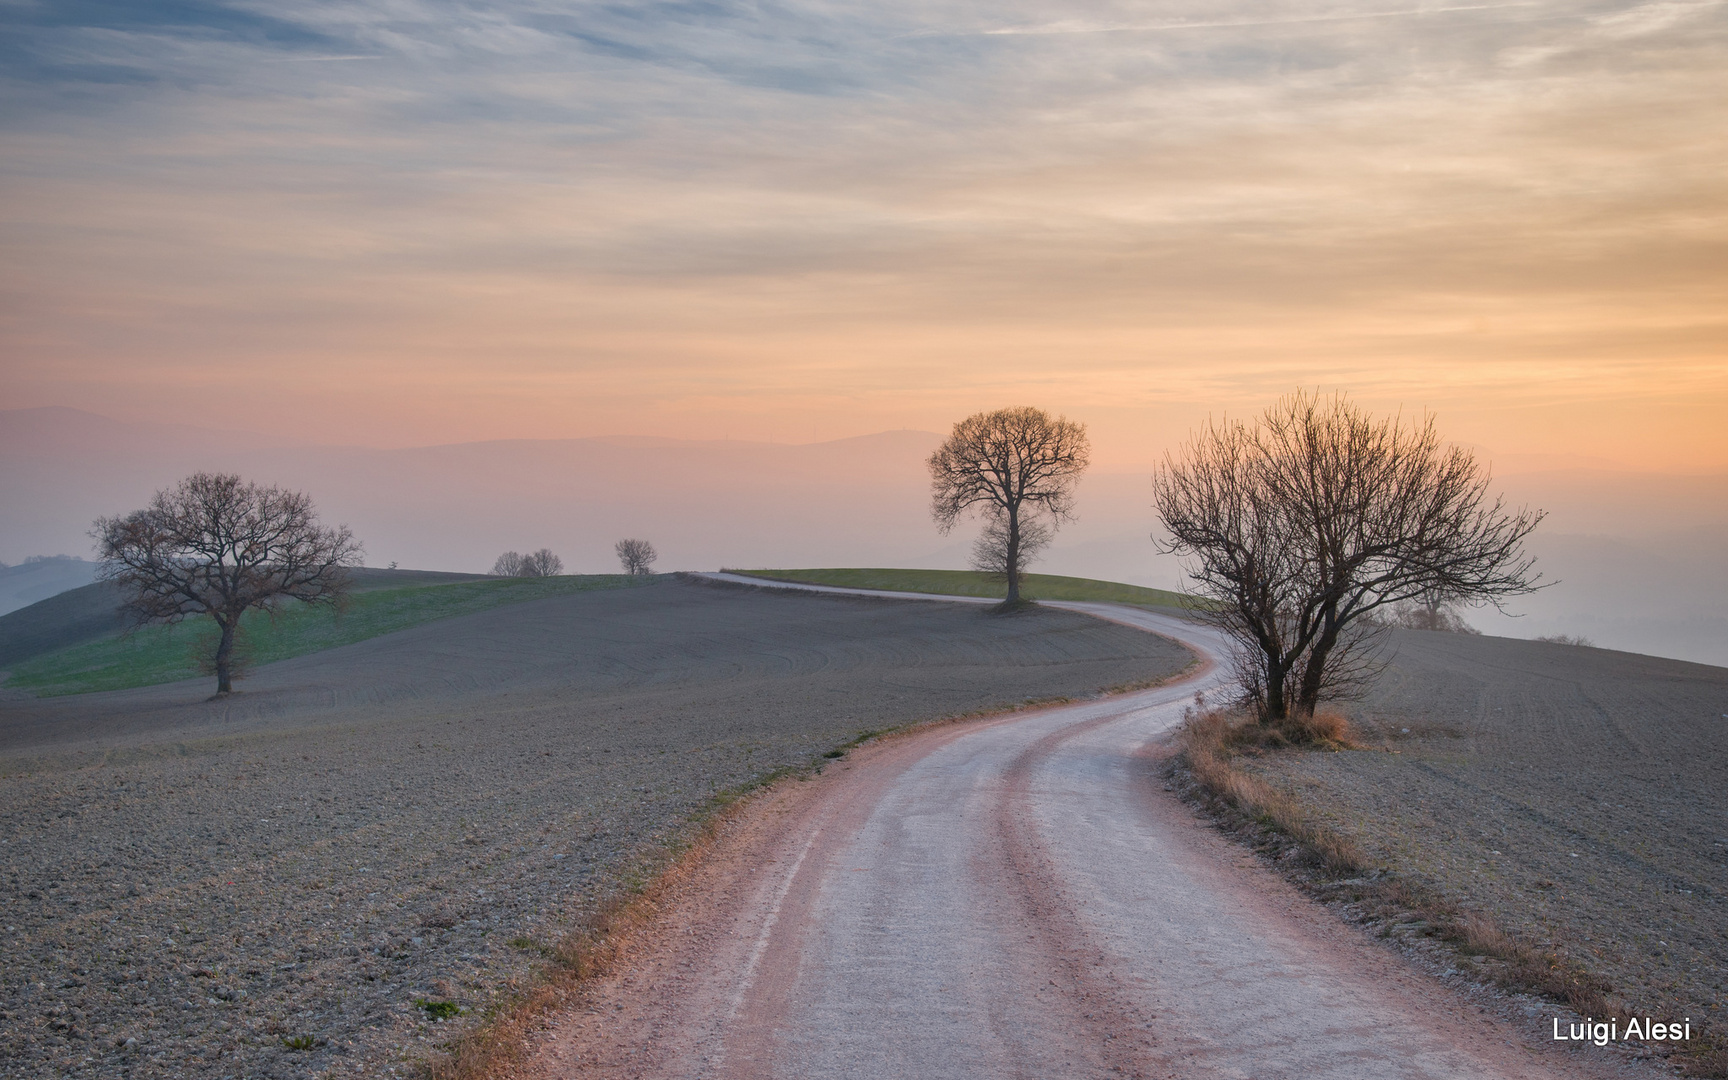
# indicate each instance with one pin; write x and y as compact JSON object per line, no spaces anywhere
{"x":225,"y":658}
{"x":1314,"y":675}
{"x":1277,"y":705}
{"x":1012,"y":556}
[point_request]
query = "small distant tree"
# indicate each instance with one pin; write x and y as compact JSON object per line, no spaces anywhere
{"x":216,"y":545}
{"x":1304,"y":525}
{"x":1018,"y":468}
{"x":637,"y":556}
{"x":542,"y":563}
{"x":1433,"y":610}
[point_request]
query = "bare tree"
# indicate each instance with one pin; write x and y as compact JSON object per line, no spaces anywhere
{"x":1018,"y":467}
{"x":215,"y":545}
{"x":542,"y":563}
{"x":1432,"y":610}
{"x":990,"y":550}
{"x":637,"y":556}
{"x":1300,"y":527}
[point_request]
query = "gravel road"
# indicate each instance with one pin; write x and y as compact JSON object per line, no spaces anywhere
{"x":189,"y":886}
{"x":1019,"y":898}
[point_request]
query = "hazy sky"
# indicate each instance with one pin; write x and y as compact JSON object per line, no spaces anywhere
{"x":407,"y":221}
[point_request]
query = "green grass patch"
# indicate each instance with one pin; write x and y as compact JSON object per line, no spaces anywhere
{"x":439,"y":1010}
{"x":159,"y":654}
{"x":974,"y":583}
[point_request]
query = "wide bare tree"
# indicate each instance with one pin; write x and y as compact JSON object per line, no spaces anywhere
{"x":1301,"y":526}
{"x":216,"y":545}
{"x":541,"y":563}
{"x":1018,"y":469}
{"x":637,"y":556}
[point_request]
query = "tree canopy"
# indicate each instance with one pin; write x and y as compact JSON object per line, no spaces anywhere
{"x":1300,"y":526}
{"x":1016,"y":467}
{"x":217,"y":545}
{"x":636,"y":556}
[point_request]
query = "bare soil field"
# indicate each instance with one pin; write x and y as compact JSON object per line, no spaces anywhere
{"x":1577,"y":795}
{"x":270,"y":884}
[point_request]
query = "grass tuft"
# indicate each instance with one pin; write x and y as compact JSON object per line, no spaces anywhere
{"x":438,"y":1010}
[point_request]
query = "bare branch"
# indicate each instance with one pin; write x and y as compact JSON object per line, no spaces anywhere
{"x":1300,"y":528}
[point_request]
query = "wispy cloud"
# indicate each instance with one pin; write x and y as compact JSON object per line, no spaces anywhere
{"x":596,"y":209}
{"x":1058,"y":28}
{"x":318,"y":59}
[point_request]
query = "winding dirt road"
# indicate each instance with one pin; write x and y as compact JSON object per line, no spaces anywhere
{"x":1019,"y":897}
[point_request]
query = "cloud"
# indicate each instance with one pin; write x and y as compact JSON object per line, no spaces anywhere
{"x":1072,"y":27}
{"x":622,"y":209}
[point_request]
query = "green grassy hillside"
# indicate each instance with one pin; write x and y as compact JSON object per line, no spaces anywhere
{"x":92,"y":612}
{"x":158,"y":654}
{"x":973,"y":583}
{"x":69,"y":618}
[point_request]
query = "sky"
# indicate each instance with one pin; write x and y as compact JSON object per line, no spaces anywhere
{"x":395,"y":223}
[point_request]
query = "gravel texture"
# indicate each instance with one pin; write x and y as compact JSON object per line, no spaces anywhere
{"x":265,"y":886}
{"x":1576,"y":794}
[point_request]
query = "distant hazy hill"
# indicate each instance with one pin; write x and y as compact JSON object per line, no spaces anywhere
{"x":28,"y":582}
{"x":1639,"y":557}
{"x":456,"y":507}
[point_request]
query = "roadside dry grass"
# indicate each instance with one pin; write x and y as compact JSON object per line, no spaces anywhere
{"x":1222,"y":765}
{"x":488,"y":1049}
{"x":1210,"y":742}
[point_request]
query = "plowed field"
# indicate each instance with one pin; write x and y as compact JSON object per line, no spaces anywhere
{"x":266,"y":885}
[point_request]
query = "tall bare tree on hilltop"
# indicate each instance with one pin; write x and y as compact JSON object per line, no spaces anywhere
{"x":215,"y":545}
{"x":1302,"y":526}
{"x":1018,"y":469}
